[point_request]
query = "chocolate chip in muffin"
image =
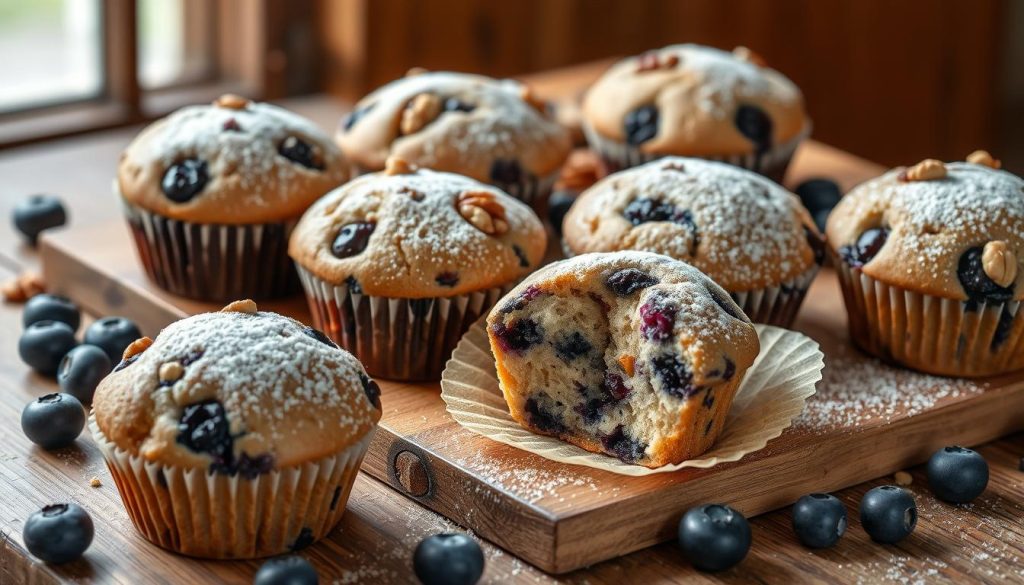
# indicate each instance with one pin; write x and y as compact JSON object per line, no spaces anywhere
{"x":352,"y":239}
{"x":756,"y":125}
{"x":301,"y":152}
{"x":641,"y":125}
{"x":185,"y":179}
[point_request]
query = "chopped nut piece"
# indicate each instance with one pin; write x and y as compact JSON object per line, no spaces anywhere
{"x":95,"y":482}
{"x":31,"y":284}
{"x":926,"y":170}
{"x":745,"y":54}
{"x":530,"y":97}
{"x":242,"y":306}
{"x":422,"y":110}
{"x":652,"y":61}
{"x":999,"y":263}
{"x":902,"y":478}
{"x":481,"y":209}
{"x":231,"y":102}
{"x":136,"y":347}
{"x":982,"y":157}
{"x":414,"y":71}
{"x":628,"y":363}
{"x":12,"y":292}
{"x":171,"y":372}
{"x":398,"y":166}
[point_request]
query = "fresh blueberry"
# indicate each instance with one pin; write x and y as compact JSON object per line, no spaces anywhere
{"x":957,"y":475}
{"x":888,"y":514}
{"x":518,"y":336}
{"x":37,"y":213}
{"x":641,"y":125}
{"x":59,"y":533}
{"x":714,"y":537}
{"x":819,"y":520}
{"x":868,"y":245}
{"x":44,"y":344}
{"x":629,"y":280}
{"x":448,"y":559}
{"x":204,"y":428}
{"x":352,"y":239}
{"x":643,"y":210}
{"x":506,"y":171}
{"x":47,"y":307}
{"x":978,"y":286}
{"x":756,"y":125}
{"x":81,"y":371}
{"x":818,"y":194}
{"x":286,"y":570}
{"x":558,"y":206}
{"x":53,"y":421}
{"x":112,"y":335}
{"x":301,"y":152}
{"x":184,"y":180}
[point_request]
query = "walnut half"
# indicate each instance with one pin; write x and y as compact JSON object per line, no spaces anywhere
{"x":481,"y":209}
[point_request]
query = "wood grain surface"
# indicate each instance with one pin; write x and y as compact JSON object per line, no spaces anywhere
{"x":373,"y":544}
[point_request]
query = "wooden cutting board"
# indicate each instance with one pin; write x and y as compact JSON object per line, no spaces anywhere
{"x":867,"y":420}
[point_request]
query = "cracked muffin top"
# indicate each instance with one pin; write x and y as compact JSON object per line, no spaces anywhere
{"x":232,"y":162}
{"x":953,"y":230}
{"x":415,"y":233}
{"x":488,"y":129}
{"x":744,"y":231}
{"x":695,"y":100}
{"x":237,"y":391}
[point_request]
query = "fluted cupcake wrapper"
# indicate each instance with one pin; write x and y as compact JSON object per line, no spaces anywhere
{"x":213,"y":515}
{"x":772,"y":163}
{"x":948,"y":337}
{"x":214,"y":262}
{"x":395,"y":338}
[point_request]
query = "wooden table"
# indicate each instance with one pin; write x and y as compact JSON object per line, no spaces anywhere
{"x":980,"y":542}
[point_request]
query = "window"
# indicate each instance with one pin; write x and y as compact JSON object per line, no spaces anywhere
{"x":175,"y":42}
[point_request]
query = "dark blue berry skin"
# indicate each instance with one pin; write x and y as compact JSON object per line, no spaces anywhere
{"x":301,"y":152}
{"x":352,"y":239}
{"x":868,"y":245}
{"x":629,"y":280}
{"x":59,"y":533}
{"x":819,"y":520}
{"x":286,"y":570}
{"x":756,"y":125}
{"x":37,"y":213}
{"x":184,"y":180}
{"x":818,"y":194}
{"x":44,"y":344}
{"x":53,"y":421}
{"x":46,"y":307}
{"x":112,"y":335}
{"x":519,"y":336}
{"x":957,"y":474}
{"x":714,"y":537}
{"x":641,"y":125}
{"x":81,"y":371}
{"x":977,"y":285}
{"x":558,"y":206}
{"x":888,"y":514}
{"x":448,"y":559}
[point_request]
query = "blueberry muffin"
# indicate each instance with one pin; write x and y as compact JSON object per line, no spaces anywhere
{"x":690,"y":100}
{"x":750,"y":235}
{"x":929,"y":262}
{"x":397,"y":265}
{"x":495,"y":131}
{"x":235,"y":434}
{"x":631,"y":354}
{"x":211,"y":194}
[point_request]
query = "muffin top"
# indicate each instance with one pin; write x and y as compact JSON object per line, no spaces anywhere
{"x":238,"y":391}
{"x":741,"y":229}
{"x":232,"y":162}
{"x":413,"y":233}
{"x":487,"y":129}
{"x":953,"y":230}
{"x":695,"y":100}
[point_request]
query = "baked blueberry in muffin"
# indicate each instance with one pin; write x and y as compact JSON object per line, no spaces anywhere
{"x":631,"y":354}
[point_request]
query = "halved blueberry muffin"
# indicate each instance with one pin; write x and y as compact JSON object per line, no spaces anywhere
{"x":929,"y":262}
{"x":235,"y":434}
{"x":631,"y":354}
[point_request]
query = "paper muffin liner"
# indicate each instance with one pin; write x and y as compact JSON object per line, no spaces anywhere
{"x":214,"y":262}
{"x":395,"y":338}
{"x":948,"y":337}
{"x":772,"y":164}
{"x":196,"y":513}
{"x":771,"y":395}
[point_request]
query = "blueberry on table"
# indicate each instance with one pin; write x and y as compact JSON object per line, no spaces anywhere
{"x":888,"y":514}
{"x":448,"y":559}
{"x":44,"y":344}
{"x":818,"y":194}
{"x":81,"y":371}
{"x":58,"y":533}
{"x":819,"y":520}
{"x":37,"y":213}
{"x":286,"y":570}
{"x":112,"y":335}
{"x":558,"y":206}
{"x":714,"y":537}
{"x":53,"y":421}
{"x":957,"y":474}
{"x":46,"y":307}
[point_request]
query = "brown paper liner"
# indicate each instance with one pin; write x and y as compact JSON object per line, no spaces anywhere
{"x":948,"y":337}
{"x":196,"y":513}
{"x":395,"y":338}
{"x":214,"y":262}
{"x":770,"y":396}
{"x":772,"y":164}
